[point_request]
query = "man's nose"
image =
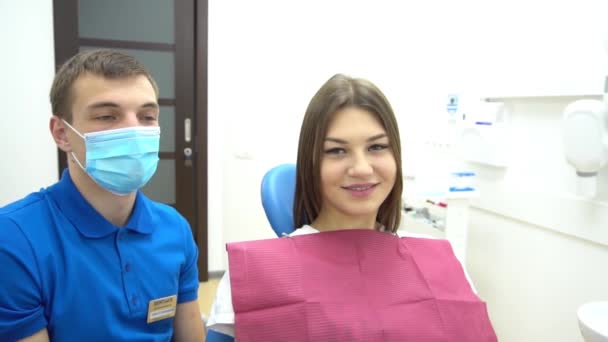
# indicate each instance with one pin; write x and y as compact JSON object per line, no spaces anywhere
{"x":130,"y":120}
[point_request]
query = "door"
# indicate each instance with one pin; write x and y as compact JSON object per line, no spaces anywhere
{"x":170,"y":38}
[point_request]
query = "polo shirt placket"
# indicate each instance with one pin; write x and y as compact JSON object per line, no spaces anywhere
{"x":128,"y":272}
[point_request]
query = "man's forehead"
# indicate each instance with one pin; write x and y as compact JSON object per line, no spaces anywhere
{"x":93,"y":88}
{"x":89,"y":80}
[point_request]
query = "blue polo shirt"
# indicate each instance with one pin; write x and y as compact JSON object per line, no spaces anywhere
{"x":65,"y":267}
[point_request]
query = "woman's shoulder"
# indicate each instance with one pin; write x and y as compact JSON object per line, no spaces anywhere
{"x":403,"y":233}
{"x":305,"y":229}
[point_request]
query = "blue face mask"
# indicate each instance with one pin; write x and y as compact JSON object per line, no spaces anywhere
{"x":121,"y":160}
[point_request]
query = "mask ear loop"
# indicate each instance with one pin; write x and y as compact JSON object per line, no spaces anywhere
{"x":73,"y":129}
{"x":77,"y":161}
{"x":72,"y":152}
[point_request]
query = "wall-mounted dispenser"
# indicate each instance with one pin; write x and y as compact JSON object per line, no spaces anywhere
{"x":585,"y":142}
{"x":585,"y":137}
{"x":485,"y":135}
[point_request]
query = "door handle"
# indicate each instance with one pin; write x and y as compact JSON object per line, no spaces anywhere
{"x":187,"y":130}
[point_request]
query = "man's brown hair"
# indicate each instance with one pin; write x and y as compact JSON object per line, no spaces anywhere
{"x":101,"y":62}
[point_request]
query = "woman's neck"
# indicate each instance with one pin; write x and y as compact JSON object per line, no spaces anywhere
{"x":336,"y":221}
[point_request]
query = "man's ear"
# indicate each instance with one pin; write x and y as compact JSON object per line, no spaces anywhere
{"x":59,"y":133}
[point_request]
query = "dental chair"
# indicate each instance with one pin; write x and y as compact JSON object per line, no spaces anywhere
{"x":278,"y":190}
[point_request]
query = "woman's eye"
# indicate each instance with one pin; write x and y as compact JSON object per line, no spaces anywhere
{"x":335,"y":151}
{"x":378,"y":147}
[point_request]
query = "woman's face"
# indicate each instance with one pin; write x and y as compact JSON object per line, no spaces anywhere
{"x":358,"y":168}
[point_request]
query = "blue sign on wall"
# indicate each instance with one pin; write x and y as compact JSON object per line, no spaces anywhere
{"x":452,"y":105}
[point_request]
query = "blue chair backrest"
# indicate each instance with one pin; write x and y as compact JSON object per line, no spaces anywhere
{"x":278,"y":190}
{"x":214,"y":336}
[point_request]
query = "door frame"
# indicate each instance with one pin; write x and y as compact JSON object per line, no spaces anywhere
{"x":65,"y":34}
{"x":191,"y":37}
{"x":201,"y":141}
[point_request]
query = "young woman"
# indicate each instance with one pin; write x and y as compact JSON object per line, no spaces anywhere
{"x":349,"y":178}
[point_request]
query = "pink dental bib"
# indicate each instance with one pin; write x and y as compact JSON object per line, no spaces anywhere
{"x":353,"y":285}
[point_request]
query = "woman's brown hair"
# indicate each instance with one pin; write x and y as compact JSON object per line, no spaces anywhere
{"x":337,"y":93}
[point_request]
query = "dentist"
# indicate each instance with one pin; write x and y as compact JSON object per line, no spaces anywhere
{"x":91,"y":258}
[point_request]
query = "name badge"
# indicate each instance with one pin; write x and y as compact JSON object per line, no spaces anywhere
{"x":162,"y":308}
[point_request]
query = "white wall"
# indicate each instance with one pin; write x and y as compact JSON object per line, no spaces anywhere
{"x":269,"y":57}
{"x":29,"y":157}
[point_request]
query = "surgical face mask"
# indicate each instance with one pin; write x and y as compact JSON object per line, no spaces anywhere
{"x":120,"y":160}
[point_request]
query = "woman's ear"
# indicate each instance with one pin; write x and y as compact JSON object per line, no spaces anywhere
{"x":58,"y":131}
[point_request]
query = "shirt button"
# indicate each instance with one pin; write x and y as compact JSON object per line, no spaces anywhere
{"x":133,"y":300}
{"x":128,"y":268}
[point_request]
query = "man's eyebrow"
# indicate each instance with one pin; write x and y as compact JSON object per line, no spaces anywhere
{"x":111,"y":104}
{"x":150,"y":105}
{"x":103,"y":104}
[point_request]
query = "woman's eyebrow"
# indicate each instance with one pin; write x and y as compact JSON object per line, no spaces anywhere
{"x":370,"y":139}
{"x":336,"y":140}
{"x":377,"y":137}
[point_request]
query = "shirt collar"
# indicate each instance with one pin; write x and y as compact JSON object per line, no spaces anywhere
{"x":88,"y":221}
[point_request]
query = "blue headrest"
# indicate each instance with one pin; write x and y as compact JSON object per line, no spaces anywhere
{"x":278,"y":190}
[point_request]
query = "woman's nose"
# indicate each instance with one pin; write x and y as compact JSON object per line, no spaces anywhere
{"x":361,"y":166}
